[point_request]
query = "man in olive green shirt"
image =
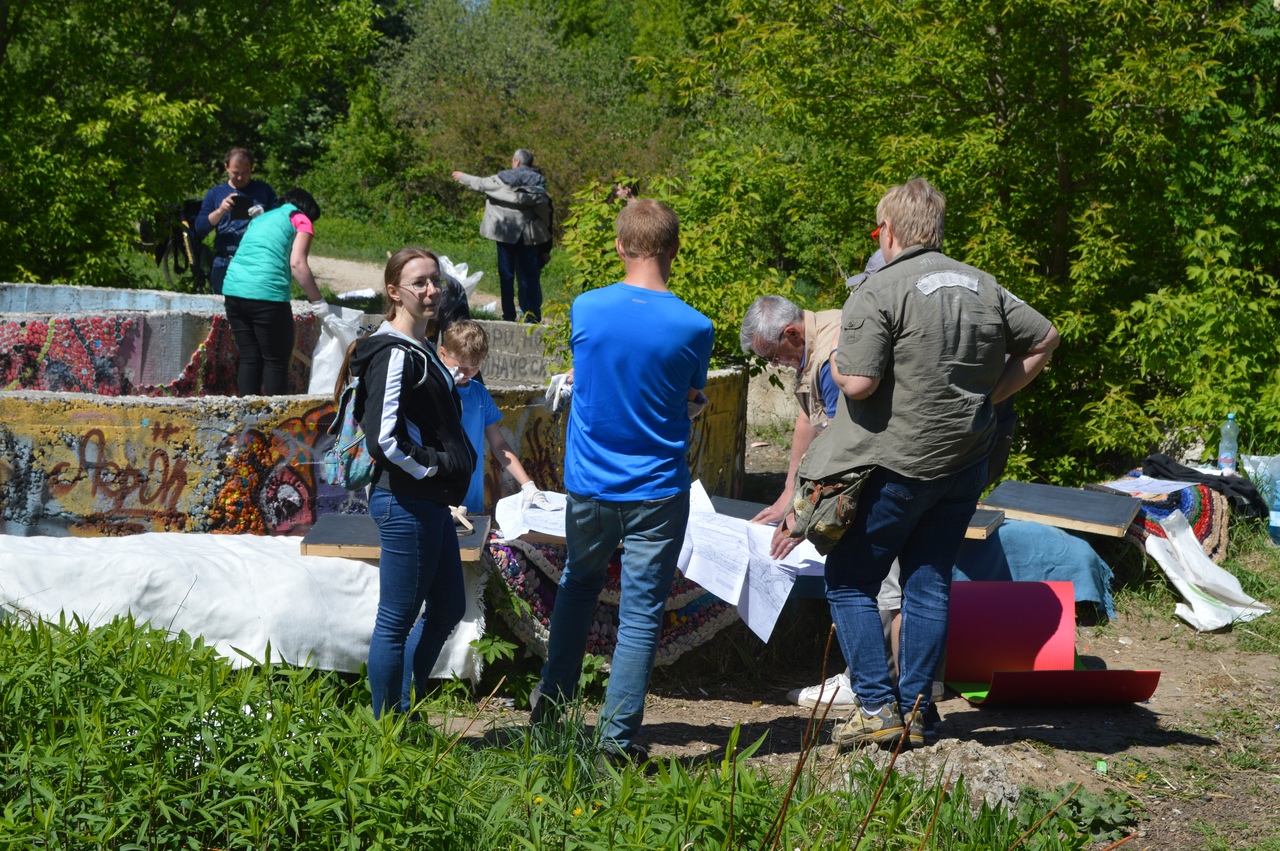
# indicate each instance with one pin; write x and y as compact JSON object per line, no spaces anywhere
{"x":928,"y":347}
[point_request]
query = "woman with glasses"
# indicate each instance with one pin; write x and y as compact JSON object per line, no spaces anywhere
{"x":412,"y":421}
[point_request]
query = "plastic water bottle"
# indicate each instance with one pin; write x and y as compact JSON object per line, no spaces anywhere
{"x":1273,"y":529}
{"x":1228,"y":445}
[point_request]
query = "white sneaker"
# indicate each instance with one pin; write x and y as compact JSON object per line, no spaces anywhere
{"x":837,"y":691}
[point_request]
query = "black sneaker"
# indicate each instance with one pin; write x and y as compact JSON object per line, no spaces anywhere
{"x":632,"y":755}
{"x":924,"y":727}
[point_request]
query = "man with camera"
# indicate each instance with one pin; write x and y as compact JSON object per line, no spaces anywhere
{"x":229,"y":207}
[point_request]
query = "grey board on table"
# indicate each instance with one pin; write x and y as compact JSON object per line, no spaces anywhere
{"x":356,"y":536}
{"x":1066,"y":508}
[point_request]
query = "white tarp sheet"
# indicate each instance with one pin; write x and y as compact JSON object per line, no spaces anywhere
{"x":237,"y":591}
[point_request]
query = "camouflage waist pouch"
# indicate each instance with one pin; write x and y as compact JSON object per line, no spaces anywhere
{"x":824,"y":508}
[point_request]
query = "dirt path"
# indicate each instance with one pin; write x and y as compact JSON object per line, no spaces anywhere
{"x":343,"y":276}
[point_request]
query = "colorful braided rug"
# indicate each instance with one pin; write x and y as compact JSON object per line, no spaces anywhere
{"x":532,"y":573}
{"x":1206,"y":511}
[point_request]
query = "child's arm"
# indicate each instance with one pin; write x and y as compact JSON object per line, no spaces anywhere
{"x":505,"y":454}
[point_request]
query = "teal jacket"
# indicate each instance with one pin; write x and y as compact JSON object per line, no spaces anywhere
{"x":260,"y":267}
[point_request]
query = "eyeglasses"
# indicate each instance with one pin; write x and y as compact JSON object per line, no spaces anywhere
{"x":875,"y":234}
{"x":421,"y":283}
{"x":774,"y":354}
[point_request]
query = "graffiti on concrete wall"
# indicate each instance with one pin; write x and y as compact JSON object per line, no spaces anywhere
{"x":77,"y":354}
{"x":132,"y":495}
{"x":267,"y":482}
{"x":99,"y":354}
{"x":91,"y":466}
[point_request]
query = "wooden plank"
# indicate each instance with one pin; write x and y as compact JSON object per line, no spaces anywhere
{"x":983,"y":524}
{"x":1066,"y":508}
{"x":356,"y":536}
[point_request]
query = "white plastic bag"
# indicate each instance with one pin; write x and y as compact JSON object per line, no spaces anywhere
{"x":338,"y":330}
{"x":1213,"y":596}
{"x":459,"y":273}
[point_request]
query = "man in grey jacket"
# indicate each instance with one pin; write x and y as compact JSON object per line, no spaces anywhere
{"x":517,"y":216}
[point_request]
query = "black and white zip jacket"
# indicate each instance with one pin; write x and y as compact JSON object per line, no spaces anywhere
{"x":412,"y":418}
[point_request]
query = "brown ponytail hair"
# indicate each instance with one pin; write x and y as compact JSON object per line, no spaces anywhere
{"x":390,"y":278}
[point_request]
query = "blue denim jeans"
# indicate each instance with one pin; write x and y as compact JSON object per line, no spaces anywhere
{"x":517,"y":261}
{"x":420,"y":562}
{"x":920,"y":523}
{"x":651,"y":532}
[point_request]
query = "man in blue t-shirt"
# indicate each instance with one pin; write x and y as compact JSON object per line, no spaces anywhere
{"x":640,"y":363}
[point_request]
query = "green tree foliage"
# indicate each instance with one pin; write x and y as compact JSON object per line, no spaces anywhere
{"x":722,"y":204}
{"x":475,"y":81}
{"x":110,"y":108}
{"x":1081,"y":146}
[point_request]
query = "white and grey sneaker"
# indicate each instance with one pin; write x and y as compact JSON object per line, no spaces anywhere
{"x":837,"y":691}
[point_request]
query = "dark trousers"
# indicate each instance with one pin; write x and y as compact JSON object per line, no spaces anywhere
{"x":264,"y":336}
{"x":519,"y":262}
{"x":216,"y":276}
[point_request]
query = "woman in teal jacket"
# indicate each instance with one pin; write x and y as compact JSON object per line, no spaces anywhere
{"x":256,"y":291}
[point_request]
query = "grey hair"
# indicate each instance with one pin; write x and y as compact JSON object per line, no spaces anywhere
{"x":766,"y":319}
{"x":523,"y":156}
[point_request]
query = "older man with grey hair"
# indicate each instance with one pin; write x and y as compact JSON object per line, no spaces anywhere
{"x":780,"y":332}
{"x":517,"y":216}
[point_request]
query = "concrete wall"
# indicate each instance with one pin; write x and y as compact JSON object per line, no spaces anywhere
{"x":79,"y":464}
{"x":126,"y":342}
{"x":85,"y":451}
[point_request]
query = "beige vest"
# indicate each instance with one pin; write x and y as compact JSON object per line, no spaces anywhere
{"x":821,"y":333}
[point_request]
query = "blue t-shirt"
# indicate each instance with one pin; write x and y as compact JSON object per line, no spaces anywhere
{"x":478,"y":413}
{"x":636,"y":353}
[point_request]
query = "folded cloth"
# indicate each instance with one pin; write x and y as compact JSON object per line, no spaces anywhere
{"x":1023,"y":551}
{"x":1241,"y":495}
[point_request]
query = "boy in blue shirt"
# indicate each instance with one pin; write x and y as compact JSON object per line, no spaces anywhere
{"x":640,"y":359}
{"x":463,"y":349}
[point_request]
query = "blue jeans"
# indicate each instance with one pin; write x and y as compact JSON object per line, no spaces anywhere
{"x":651,"y":532}
{"x":420,"y":562}
{"x":517,"y":261}
{"x":920,"y":523}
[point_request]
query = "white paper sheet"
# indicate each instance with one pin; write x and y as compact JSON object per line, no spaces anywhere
{"x":725,"y":555}
{"x":730,"y":558}
{"x":1146,"y":484}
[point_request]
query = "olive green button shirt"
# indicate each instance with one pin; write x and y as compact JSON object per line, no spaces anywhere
{"x":936,"y":333}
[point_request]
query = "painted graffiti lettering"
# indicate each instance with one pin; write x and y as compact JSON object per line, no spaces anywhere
{"x":156,"y":487}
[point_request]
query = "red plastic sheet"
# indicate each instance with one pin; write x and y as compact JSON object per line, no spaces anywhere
{"x":1014,"y":642}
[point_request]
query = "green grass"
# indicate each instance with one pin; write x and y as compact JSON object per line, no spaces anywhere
{"x":121,"y":738}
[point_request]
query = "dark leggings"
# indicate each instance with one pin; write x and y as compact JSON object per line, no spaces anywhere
{"x":264,"y":336}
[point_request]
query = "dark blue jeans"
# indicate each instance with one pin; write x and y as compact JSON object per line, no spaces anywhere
{"x":420,"y":562}
{"x":920,"y":523}
{"x":520,"y":262}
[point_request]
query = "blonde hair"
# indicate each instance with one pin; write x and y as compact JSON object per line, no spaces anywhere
{"x":466,"y":340}
{"x":647,"y":228}
{"x":915,"y":211}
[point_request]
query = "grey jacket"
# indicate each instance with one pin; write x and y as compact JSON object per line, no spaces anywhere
{"x":512,"y":215}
